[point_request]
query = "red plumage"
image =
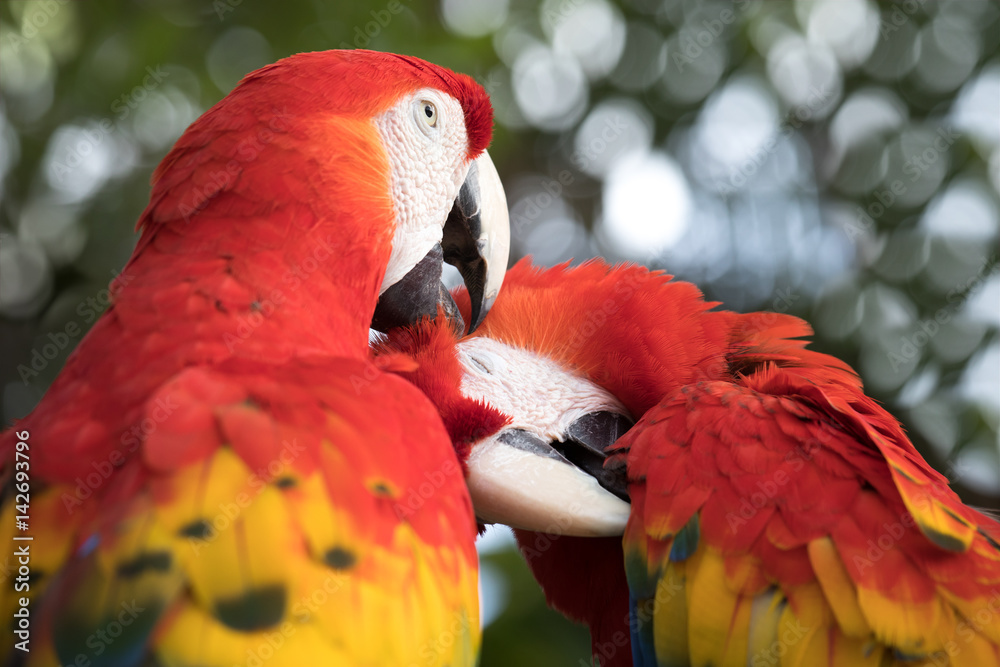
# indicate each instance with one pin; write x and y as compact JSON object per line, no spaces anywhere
{"x":240,"y":325}
{"x":425,"y":356}
{"x":758,"y":456}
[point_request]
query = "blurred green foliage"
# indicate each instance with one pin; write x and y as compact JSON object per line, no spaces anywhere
{"x":839,"y":160}
{"x":527,"y":632}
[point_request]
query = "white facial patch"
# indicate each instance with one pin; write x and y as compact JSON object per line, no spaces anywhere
{"x":538,"y":394}
{"x":528,"y":489}
{"x":425,"y":139}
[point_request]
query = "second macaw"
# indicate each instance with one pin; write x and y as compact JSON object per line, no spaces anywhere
{"x":778,"y":515}
{"x":220,"y":475}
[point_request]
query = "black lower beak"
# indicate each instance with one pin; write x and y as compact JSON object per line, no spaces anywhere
{"x":461,"y":245}
{"x":586,"y":444}
{"x":526,"y":481}
{"x":587,"y":440}
{"x":475,"y":240}
{"x":417,"y":295}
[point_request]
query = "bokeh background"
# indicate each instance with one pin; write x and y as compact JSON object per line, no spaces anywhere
{"x":835,"y":159}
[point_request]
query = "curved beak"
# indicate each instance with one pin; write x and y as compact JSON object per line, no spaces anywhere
{"x":477,"y":236}
{"x":476,"y":241}
{"x":524,"y":481}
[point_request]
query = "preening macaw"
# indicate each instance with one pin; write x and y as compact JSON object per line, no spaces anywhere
{"x":220,"y":475}
{"x":778,"y":515}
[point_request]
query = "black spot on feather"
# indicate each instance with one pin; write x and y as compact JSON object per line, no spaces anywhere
{"x":903,"y":656}
{"x":151,"y":560}
{"x":943,"y":540}
{"x":198,"y":529}
{"x":382,"y":489}
{"x":993,"y":543}
{"x":256,"y":609}
{"x":340,"y":558}
{"x":285,"y":482}
{"x":955,"y":516}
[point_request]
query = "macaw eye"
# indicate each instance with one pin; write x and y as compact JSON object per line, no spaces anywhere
{"x":428,"y":113}
{"x":481,"y":362}
{"x":481,"y":366}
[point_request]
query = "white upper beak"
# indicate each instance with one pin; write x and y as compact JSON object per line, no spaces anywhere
{"x":544,"y":472}
{"x":526,"y":490}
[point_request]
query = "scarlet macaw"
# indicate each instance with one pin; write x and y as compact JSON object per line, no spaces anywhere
{"x":219,"y":475}
{"x":778,"y":515}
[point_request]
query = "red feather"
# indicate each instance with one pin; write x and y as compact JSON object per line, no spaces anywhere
{"x":240,"y":324}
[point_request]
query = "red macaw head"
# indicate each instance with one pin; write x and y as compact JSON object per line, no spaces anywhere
{"x":381,"y":155}
{"x":570,"y":358}
{"x":564,"y":364}
{"x":728,"y":404}
{"x":321,"y":194}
